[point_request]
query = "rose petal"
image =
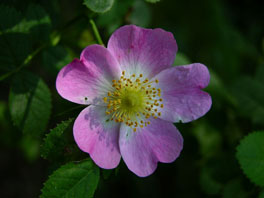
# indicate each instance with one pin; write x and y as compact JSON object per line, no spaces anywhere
{"x":86,"y":81}
{"x":139,"y":50}
{"x":181,"y":92}
{"x":141,"y":150}
{"x":96,"y":135}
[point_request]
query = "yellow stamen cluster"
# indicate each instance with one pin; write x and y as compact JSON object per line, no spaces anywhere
{"x":133,"y":100}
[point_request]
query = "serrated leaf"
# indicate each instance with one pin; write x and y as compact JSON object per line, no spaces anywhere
{"x":29,"y":103}
{"x":250,"y":154}
{"x":72,"y":180}
{"x":152,"y":1}
{"x":99,"y":6}
{"x":54,"y":141}
{"x":54,"y":58}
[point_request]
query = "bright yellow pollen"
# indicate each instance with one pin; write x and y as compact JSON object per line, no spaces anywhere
{"x":132,"y":101}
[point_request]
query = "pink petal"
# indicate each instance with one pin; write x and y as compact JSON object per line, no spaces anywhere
{"x":139,"y":50}
{"x":141,"y":150}
{"x":86,"y":81}
{"x":97,"y":136}
{"x":181,"y":92}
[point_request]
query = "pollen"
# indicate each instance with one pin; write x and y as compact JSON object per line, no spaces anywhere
{"x":131,"y":100}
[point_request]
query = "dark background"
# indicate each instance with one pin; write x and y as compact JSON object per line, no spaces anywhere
{"x":226,"y":36}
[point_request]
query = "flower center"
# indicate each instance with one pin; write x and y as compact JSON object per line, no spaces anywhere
{"x":133,"y":101}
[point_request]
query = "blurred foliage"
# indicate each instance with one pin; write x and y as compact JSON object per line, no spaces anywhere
{"x":38,"y":38}
{"x":251,"y":158}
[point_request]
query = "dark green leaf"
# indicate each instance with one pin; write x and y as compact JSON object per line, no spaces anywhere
{"x":99,"y":6}
{"x":250,"y":154}
{"x":250,"y":98}
{"x":152,"y":1}
{"x":37,"y":22}
{"x":14,"y":49}
{"x":72,"y":180}
{"x":208,"y":184}
{"x":233,"y":189}
{"x":54,"y":142}
{"x":29,"y":103}
{"x":54,"y":58}
{"x":9,"y":18}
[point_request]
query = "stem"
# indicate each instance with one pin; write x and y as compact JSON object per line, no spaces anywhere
{"x":25,"y":62}
{"x":96,"y":33}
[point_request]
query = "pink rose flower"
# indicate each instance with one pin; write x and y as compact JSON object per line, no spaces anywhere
{"x":134,"y":96}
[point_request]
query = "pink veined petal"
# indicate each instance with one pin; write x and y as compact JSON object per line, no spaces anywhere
{"x":139,"y":50}
{"x":181,"y":92}
{"x":141,"y":150}
{"x":96,"y":135}
{"x":86,"y":81}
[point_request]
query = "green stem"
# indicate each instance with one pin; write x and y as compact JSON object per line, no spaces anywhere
{"x":96,"y":33}
{"x":25,"y":62}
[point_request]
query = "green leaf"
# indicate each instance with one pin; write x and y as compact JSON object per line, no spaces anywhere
{"x":35,"y":21}
{"x":113,"y":19}
{"x":9,"y":18}
{"x":250,"y":98}
{"x":14,"y":49}
{"x":250,"y":154}
{"x":29,"y":103}
{"x":181,"y":59}
{"x":99,"y":6}
{"x":54,"y":142}
{"x":152,"y":1}
{"x":72,"y":180}
{"x":140,"y":14}
{"x":54,"y":58}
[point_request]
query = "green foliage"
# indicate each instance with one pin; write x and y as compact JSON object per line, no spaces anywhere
{"x":9,"y":18}
{"x":112,"y":19}
{"x":208,"y":184}
{"x":140,"y":14}
{"x":99,"y":6}
{"x":261,"y":194}
{"x":54,"y":58}
{"x":233,"y":189}
{"x":72,"y":180}
{"x":250,"y":156}
{"x":19,"y":32}
{"x":54,"y":142}
{"x":181,"y":59}
{"x":29,"y":103}
{"x":152,"y":1}
{"x":249,"y":93}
